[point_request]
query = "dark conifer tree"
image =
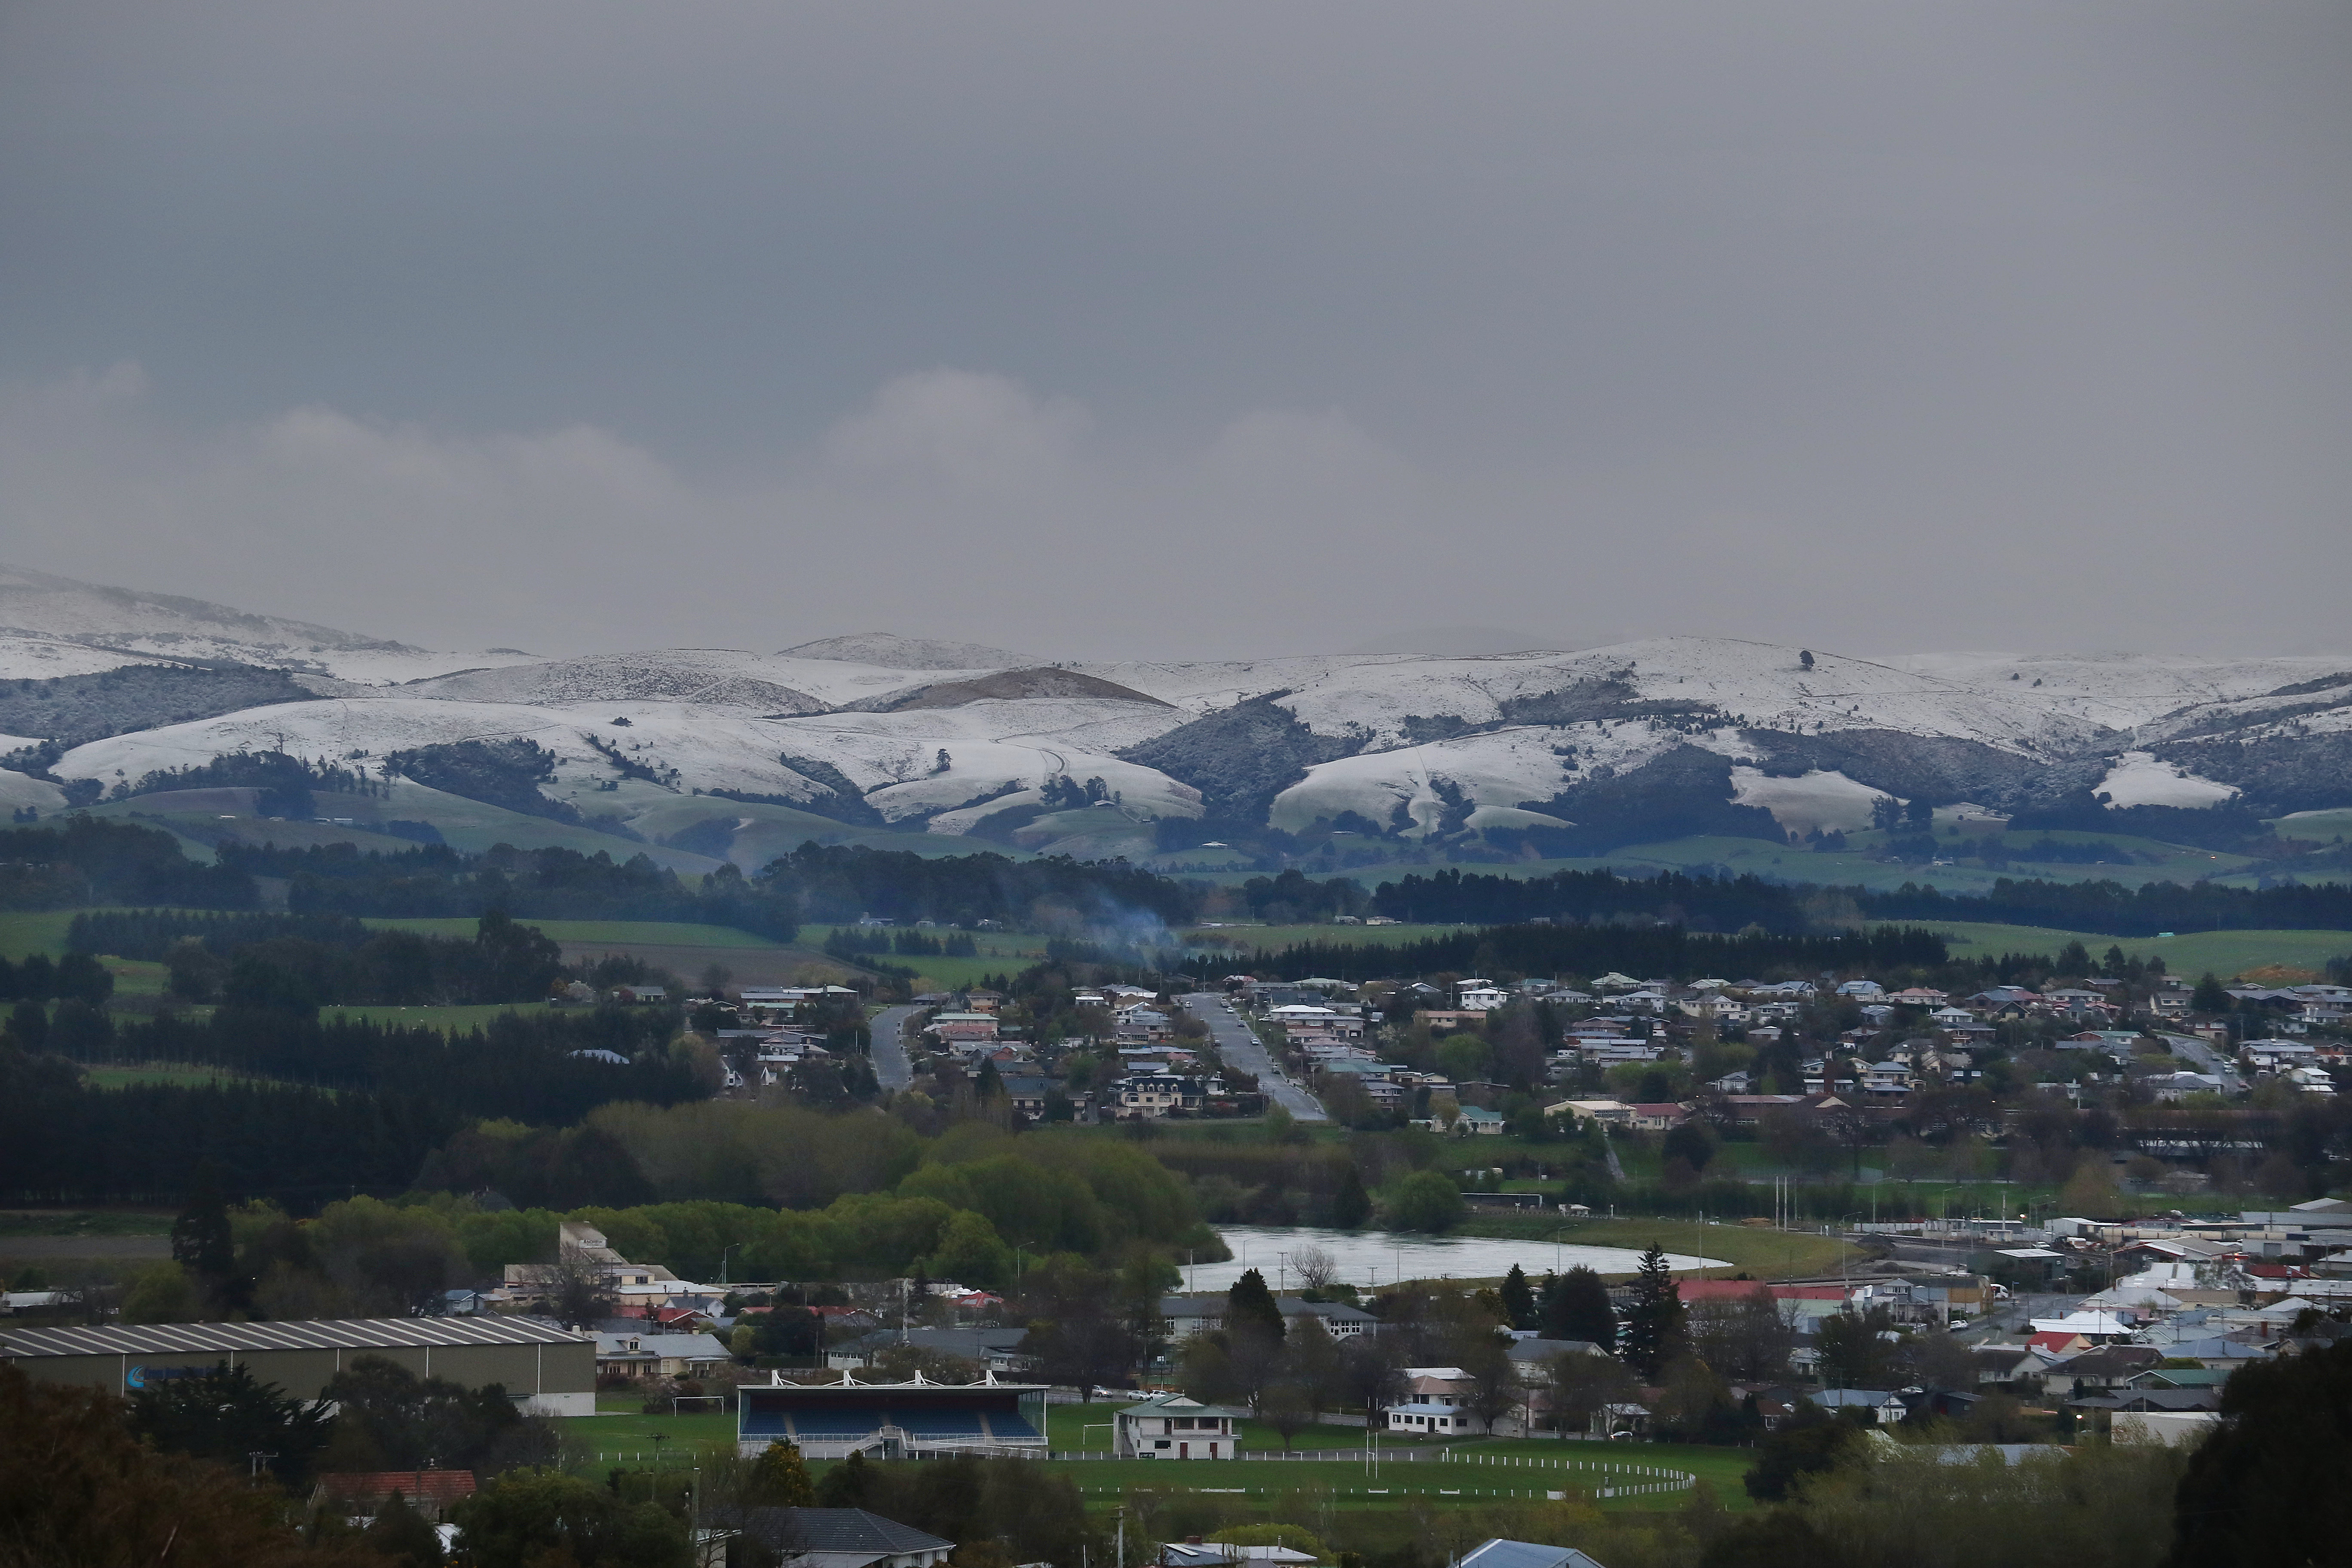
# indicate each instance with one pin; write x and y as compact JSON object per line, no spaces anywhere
{"x":200,"y":1240}
{"x":1250,"y":1308}
{"x":1351,"y":1205}
{"x":1653,"y":1325}
{"x":1575,"y":1306}
{"x":2268,"y":1485}
{"x":1519,"y":1299}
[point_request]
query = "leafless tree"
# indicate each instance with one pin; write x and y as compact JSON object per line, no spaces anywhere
{"x":1582,"y":1383}
{"x":1493,"y":1384}
{"x":575,"y":1288}
{"x":1314,"y":1267}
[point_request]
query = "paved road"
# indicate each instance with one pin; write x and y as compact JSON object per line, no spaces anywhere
{"x":2202,"y":1057}
{"x":1245,"y":1051}
{"x":891,"y":1069}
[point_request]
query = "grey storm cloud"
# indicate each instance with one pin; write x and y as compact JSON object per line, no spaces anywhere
{"x":1208,"y":330}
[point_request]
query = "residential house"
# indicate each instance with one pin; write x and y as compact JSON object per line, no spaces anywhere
{"x":1186,"y":1316}
{"x":1429,"y":1418}
{"x":1193,"y":1553}
{"x":1150,"y":1095}
{"x":1886,"y":1407}
{"x":1888,"y":1079}
{"x":1607,"y":1113}
{"x":996,"y":1349}
{"x":832,"y":1538}
{"x":1467,"y":1122}
{"x":639,"y":1355}
{"x":362,"y":1494}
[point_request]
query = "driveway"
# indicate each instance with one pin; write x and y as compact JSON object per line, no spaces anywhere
{"x":1244,"y":1051}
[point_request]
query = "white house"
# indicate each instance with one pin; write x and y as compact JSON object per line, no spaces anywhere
{"x":1428,"y":1418}
{"x":1171,"y":1426}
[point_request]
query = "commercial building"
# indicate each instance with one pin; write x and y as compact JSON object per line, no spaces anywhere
{"x":545,"y":1370}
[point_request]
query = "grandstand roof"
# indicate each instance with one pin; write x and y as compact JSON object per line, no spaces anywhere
{"x":850,"y":1386}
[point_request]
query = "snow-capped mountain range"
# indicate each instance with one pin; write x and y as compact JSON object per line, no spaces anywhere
{"x":880,"y":732}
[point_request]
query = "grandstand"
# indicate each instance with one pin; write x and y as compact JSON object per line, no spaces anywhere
{"x":916,"y":1419}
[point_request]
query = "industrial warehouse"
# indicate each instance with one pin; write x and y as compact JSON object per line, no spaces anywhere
{"x":545,"y":1370}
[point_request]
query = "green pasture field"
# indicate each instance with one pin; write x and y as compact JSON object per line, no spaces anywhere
{"x":448,"y":1020}
{"x":189,"y":1074}
{"x":1248,"y":938}
{"x":1000,"y":952}
{"x":85,"y":1222}
{"x":1858,"y":864}
{"x":2224,"y":952}
{"x":2323,"y":826}
{"x":23,"y":932}
{"x":658,"y":933}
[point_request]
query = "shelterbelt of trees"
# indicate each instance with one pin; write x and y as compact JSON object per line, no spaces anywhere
{"x":328,"y":1107}
{"x":301,"y":961}
{"x":955,"y":1207}
{"x":1599,"y":949}
{"x":86,"y":860}
{"x":1733,"y":903}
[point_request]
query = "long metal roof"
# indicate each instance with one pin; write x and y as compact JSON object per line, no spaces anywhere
{"x":323,"y":1334}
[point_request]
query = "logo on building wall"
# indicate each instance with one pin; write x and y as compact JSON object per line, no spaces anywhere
{"x":141,"y":1378}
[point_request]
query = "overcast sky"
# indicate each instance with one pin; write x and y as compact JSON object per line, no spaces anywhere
{"x":1187,"y":329}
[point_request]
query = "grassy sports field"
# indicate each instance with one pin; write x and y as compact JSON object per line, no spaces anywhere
{"x":1750,"y":1249}
{"x":1477,"y":1469}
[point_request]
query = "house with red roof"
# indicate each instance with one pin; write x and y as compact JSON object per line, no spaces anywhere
{"x":362,"y":1494}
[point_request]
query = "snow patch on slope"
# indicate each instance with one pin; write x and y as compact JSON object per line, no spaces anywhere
{"x":1745,"y":684}
{"x":2139,"y":779}
{"x":1827,"y":801}
{"x":2120,"y":690}
{"x":894,"y":757}
{"x":20,"y":790}
{"x":28,"y":656}
{"x":706,"y":677}
{"x":1494,"y":772}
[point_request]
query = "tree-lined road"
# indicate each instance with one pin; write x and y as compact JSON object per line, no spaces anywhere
{"x":891,"y":1069}
{"x":1244,"y":1051}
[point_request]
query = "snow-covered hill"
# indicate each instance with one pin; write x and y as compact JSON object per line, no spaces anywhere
{"x":112,"y":627}
{"x":890,"y":651}
{"x":1680,"y":735}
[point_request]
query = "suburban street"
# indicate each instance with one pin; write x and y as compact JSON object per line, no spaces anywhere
{"x":1243,"y":1050}
{"x":891,"y":1069}
{"x":2202,"y":1057}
